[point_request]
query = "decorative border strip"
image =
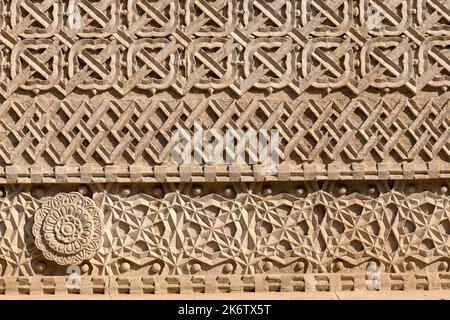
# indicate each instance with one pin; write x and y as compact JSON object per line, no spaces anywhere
{"x":47,"y":140}
{"x":221,"y":173}
{"x":225,"y":228}
{"x":161,"y":46}
{"x":143,"y":285}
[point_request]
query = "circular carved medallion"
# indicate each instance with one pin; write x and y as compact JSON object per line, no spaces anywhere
{"x":68,"y":228}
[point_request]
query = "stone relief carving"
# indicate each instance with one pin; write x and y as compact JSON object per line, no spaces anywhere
{"x":91,"y":93}
{"x":284,"y":45}
{"x":68,"y":228}
{"x":55,"y":141}
{"x":227,"y":231}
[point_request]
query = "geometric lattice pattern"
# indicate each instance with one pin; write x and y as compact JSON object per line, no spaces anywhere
{"x":330,"y":135}
{"x":92,"y":92}
{"x":247,"y":228}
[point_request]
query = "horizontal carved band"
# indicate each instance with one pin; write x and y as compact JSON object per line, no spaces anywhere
{"x":44,"y":140}
{"x":150,"y":285}
{"x":211,"y":229}
{"x":183,"y":46}
{"x":221,"y":173}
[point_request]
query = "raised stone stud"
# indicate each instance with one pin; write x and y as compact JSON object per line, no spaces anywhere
{"x":84,"y":268}
{"x":196,"y":267}
{"x":342,"y":190}
{"x":40,"y":266}
{"x":228,"y":268}
{"x":267,"y":266}
{"x":158,"y":192}
{"x":196,"y":191}
{"x":124,"y":267}
{"x":339,"y":266}
{"x":155,"y":268}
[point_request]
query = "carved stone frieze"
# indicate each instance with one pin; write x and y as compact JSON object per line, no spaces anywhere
{"x":93,"y":95}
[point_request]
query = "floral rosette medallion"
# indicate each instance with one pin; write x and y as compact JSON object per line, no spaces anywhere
{"x":68,"y":228}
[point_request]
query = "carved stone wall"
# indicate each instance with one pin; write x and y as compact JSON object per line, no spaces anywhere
{"x":92,"y":92}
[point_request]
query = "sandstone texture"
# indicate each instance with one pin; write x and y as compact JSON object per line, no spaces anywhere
{"x":93,"y":205}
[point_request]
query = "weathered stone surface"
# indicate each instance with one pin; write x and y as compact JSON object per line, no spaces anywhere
{"x":92,"y":92}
